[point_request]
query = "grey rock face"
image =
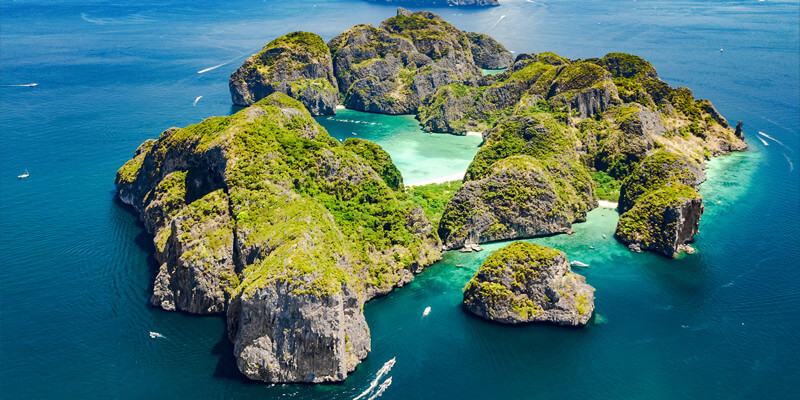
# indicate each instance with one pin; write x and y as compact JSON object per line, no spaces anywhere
{"x":297,"y":64}
{"x":280,"y":335}
{"x":517,"y":200}
{"x":390,"y":69}
{"x":524,"y":283}
{"x":662,"y":221}
{"x":489,"y":53}
{"x":655,"y":172}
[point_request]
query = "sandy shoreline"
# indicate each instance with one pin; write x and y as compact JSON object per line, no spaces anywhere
{"x":607,"y":204}
{"x":440,"y":179}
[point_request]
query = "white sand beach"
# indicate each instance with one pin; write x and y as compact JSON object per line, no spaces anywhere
{"x":607,"y":204}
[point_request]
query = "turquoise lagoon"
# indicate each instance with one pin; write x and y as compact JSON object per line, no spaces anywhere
{"x":75,"y":266}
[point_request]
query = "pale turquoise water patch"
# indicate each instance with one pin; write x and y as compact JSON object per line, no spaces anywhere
{"x":420,"y":156}
{"x":492,"y":71}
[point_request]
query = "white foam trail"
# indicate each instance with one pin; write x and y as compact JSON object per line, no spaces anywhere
{"x":25,"y":85}
{"x":202,"y":71}
{"x":498,"y":22}
{"x":381,"y":372}
{"x":773,"y":139}
{"x":384,"y":385}
{"x":196,"y":100}
{"x":94,"y":21}
{"x":763,"y":141}
{"x":791,"y":166}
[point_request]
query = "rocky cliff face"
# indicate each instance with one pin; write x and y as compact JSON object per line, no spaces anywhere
{"x":390,"y":69}
{"x":526,"y":181}
{"x":582,"y":89}
{"x":655,"y":172}
{"x":297,"y":64}
{"x":489,"y":53}
{"x":266,"y":218}
{"x":523,"y":283}
{"x":663,"y":220}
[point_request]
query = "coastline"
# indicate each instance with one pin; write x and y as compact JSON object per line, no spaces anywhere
{"x":607,"y":204}
{"x":440,"y":179}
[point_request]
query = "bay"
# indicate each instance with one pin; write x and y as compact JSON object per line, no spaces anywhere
{"x":75,"y":267}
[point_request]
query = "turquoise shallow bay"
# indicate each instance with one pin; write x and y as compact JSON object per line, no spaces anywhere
{"x":75,"y":266}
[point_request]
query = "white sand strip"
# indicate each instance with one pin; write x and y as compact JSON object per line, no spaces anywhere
{"x":607,"y":204}
{"x":441,"y":179}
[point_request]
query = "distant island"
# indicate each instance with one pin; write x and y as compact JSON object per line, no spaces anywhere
{"x":437,"y":3}
{"x":266,"y":219}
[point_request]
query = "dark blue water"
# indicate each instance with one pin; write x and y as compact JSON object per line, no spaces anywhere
{"x":75,"y":266}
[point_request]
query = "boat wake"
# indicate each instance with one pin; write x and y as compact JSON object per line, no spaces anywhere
{"x":25,"y":85}
{"x":196,"y":100}
{"x":763,"y":141}
{"x":382,"y":388}
{"x":498,"y":22}
{"x":791,"y":166}
{"x":773,"y":139}
{"x":374,"y":384}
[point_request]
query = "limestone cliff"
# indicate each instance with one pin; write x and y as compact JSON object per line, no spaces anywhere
{"x":663,"y":220}
{"x":265,"y":217}
{"x":524,"y":282}
{"x":297,"y":64}
{"x":525,"y":181}
{"x":390,"y":69}
{"x":489,"y":53}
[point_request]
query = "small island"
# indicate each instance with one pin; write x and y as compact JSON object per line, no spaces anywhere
{"x":264,"y":218}
{"x":524,"y":283}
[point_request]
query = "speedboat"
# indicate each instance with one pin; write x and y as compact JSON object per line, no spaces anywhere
{"x":23,"y":176}
{"x":578,"y":264}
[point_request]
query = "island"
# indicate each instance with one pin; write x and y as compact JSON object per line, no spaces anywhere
{"x":525,"y":283}
{"x":262,"y":217}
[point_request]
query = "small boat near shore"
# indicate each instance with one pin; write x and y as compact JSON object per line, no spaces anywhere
{"x":23,"y":175}
{"x":578,"y":264}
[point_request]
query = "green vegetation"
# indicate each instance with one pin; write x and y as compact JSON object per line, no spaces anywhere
{"x":645,"y":223}
{"x":657,"y":171}
{"x":378,"y":159}
{"x":328,"y":212}
{"x":607,"y":187}
{"x":433,"y":198}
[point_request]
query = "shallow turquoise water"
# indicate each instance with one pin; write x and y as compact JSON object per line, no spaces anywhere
{"x":420,"y":156}
{"x":75,"y":268}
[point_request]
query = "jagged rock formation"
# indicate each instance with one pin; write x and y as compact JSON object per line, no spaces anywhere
{"x":265,"y":217}
{"x":489,"y":53}
{"x":659,"y":170}
{"x":525,"y":282}
{"x":390,"y":69}
{"x":450,"y":3}
{"x":297,"y":64}
{"x":607,"y":114}
{"x":663,"y":220}
{"x":659,"y":204}
{"x":525,"y":181}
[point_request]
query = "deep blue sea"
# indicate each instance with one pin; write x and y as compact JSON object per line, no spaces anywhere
{"x":75,"y":267}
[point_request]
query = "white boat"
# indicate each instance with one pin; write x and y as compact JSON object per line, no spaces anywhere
{"x":578,"y":264}
{"x":23,"y":176}
{"x":154,"y":335}
{"x":427,"y":311}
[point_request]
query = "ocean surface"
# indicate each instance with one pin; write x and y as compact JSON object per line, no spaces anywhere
{"x":76,"y":269}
